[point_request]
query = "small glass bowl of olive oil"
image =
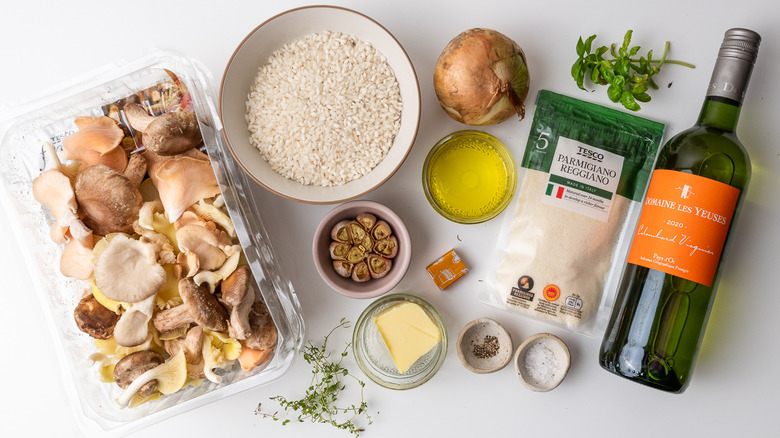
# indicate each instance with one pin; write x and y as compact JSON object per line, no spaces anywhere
{"x":469,"y":177}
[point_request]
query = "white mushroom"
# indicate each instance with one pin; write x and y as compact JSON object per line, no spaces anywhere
{"x":212,"y":278}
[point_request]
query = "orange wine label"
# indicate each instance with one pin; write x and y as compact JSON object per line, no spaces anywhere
{"x":683,"y":225}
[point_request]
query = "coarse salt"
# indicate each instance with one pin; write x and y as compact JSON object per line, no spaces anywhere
{"x":541,"y":364}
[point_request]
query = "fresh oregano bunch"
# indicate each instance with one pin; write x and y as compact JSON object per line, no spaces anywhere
{"x":318,"y":405}
{"x":627,"y":75}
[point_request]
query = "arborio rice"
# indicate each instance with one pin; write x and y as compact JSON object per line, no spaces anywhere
{"x":325,"y":109}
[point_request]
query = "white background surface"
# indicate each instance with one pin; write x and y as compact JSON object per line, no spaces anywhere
{"x":734,"y":388}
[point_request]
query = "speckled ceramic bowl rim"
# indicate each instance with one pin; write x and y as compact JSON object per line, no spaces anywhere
{"x":502,"y":333}
{"x":526,"y":344}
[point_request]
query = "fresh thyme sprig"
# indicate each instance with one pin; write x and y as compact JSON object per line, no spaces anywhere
{"x":628,"y":77}
{"x":319,"y":403}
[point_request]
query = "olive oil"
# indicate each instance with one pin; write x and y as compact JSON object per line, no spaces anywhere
{"x":469,"y":177}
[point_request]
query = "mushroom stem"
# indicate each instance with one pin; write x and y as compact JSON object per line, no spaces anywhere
{"x":165,"y":374}
{"x":171,"y":319}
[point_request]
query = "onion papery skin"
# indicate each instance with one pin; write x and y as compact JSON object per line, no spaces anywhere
{"x":481,"y":78}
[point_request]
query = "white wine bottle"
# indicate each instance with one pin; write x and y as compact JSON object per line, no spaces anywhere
{"x":694,"y":195}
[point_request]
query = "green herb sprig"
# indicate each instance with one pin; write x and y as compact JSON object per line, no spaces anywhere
{"x":627,"y":75}
{"x":319,"y":403}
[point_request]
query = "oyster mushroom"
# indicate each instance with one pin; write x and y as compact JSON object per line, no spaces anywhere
{"x":94,"y":319}
{"x":107,"y":199}
{"x":182,"y":180}
{"x":96,"y":142}
{"x":169,"y":377}
{"x":167,"y":134}
{"x":200,"y":306}
{"x":76,"y":258}
{"x":127,"y":270}
{"x":251,"y":358}
{"x":203,"y":243}
{"x":132,"y":329}
{"x":192,"y":345}
{"x":238,"y":295}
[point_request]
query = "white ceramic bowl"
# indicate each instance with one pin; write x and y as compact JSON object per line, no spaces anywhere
{"x":254,"y":51}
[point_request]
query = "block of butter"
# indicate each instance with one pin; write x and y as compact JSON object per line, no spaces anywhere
{"x":408,"y":333}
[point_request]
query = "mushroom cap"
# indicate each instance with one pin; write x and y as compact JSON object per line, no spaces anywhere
{"x":137,"y":116}
{"x":127,"y":270}
{"x":263,"y":333}
{"x":182,"y":180}
{"x":94,"y":319}
{"x":135,"y":364}
{"x":108,"y":200}
{"x":204,"y":243}
{"x":192,"y":344}
{"x":203,"y":306}
{"x":96,"y":142}
{"x":172,"y":133}
{"x":238,"y":296}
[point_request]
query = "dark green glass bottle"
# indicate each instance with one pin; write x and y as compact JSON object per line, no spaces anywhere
{"x":662,"y":305}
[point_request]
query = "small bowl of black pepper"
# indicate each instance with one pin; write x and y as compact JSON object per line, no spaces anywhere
{"x":484,"y":346}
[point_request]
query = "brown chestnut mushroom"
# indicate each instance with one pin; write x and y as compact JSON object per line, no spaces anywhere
{"x":263,"y":333}
{"x":238,"y":295}
{"x":94,"y":319}
{"x":200,"y":307}
{"x":167,"y":134}
{"x":133,"y":365}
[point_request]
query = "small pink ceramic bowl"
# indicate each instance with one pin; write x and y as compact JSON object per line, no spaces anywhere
{"x":375,"y":286}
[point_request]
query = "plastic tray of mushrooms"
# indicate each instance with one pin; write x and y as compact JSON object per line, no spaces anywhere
{"x":158,"y":281}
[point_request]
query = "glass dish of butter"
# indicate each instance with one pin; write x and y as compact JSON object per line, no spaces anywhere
{"x":400,"y":341}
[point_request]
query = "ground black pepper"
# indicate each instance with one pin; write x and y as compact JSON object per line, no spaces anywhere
{"x":488,"y":348}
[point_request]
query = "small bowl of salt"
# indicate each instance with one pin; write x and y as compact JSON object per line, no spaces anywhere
{"x":542,"y":362}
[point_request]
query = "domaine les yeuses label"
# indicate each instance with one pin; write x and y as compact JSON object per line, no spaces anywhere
{"x":683,"y":225}
{"x":583,"y":179}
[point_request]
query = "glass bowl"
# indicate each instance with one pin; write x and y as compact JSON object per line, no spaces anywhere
{"x":374,"y":358}
{"x":469,"y":177}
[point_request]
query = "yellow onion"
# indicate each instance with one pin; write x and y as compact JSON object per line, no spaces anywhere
{"x":481,"y":78}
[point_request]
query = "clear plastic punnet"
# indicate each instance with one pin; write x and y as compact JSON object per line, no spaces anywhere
{"x":23,"y":136}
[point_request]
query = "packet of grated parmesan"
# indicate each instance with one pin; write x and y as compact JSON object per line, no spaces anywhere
{"x":586,"y":168}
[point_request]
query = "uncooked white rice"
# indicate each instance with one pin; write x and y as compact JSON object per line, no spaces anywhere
{"x":325,"y":109}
